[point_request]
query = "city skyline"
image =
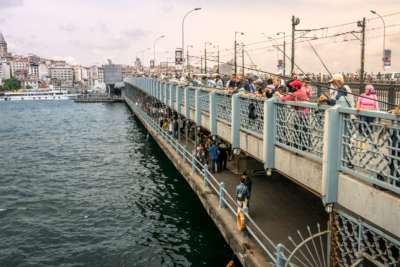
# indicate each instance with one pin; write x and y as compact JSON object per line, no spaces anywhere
{"x":86,"y":38}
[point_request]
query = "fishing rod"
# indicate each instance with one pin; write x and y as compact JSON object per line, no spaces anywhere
{"x":328,"y":71}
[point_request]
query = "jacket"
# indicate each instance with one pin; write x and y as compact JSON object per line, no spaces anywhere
{"x":244,"y":190}
{"x":243,"y":84}
{"x":342,"y":92}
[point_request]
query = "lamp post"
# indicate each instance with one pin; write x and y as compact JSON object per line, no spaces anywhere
{"x":295,"y":22}
{"x":201,"y":61}
{"x":284,"y":52}
{"x":205,"y":56}
{"x":235,"y":49}
{"x":218,"y":57}
{"x":384,"y":37}
{"x":183,"y":33}
{"x":188,"y":65}
{"x":143,"y":56}
{"x":155,"y":50}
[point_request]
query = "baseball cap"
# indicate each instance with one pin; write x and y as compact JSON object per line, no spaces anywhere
{"x":296,"y":83}
{"x":259,"y":82}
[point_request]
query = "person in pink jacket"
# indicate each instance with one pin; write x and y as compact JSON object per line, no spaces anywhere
{"x":368,"y":100}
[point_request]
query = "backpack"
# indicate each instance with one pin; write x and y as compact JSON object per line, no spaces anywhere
{"x":251,"y":111}
{"x":240,"y":196}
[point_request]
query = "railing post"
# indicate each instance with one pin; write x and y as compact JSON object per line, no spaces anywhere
{"x":172,"y":140}
{"x":206,"y":175}
{"x":269,"y":133}
{"x":198,"y":107}
{"x":221,"y":195}
{"x":280,"y":253}
{"x":246,"y":220}
{"x":194,"y":162}
{"x":172,"y":96}
{"x":187,"y":103}
{"x":184,"y":154}
{"x":236,"y":120}
{"x":177,"y":146}
{"x":213,"y":113}
{"x":178,"y":99}
{"x":331,"y":152}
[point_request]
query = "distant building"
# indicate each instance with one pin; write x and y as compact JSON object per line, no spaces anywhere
{"x":61,"y":72}
{"x":3,"y":46}
{"x":128,"y":70}
{"x":138,"y":63}
{"x":43,"y":71}
{"x":19,"y":64}
{"x":5,"y":70}
{"x":96,"y":84}
{"x":31,"y":82}
{"x":21,"y":74}
{"x":33,"y":70}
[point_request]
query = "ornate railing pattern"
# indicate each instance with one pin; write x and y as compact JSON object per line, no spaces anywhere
{"x":300,"y":127}
{"x":192,"y":93}
{"x":256,"y":124}
{"x":371,"y":148}
{"x":354,"y":239}
{"x":224,"y":107}
{"x":205,"y":101}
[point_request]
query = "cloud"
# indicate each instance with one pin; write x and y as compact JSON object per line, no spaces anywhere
{"x":11,"y":3}
{"x":135,"y":33}
{"x":25,"y":43}
{"x":69,"y":28}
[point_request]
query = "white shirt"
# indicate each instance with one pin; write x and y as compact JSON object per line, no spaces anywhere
{"x":333,"y":92}
{"x":171,"y":127}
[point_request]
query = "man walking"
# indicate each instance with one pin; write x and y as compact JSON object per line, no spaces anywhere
{"x":248,"y":183}
{"x":242,"y":194}
{"x":214,"y":150}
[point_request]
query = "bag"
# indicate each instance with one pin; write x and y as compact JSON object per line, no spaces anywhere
{"x":240,"y":196}
{"x":251,"y":111}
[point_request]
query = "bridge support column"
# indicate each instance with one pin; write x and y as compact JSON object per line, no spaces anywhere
{"x":172,"y":96}
{"x":187,"y":112}
{"x":198,"y":107}
{"x":331,"y":153}
{"x":213,"y":113}
{"x":280,"y":255}
{"x":178,"y":99}
{"x":269,"y":133}
{"x":236,"y":120}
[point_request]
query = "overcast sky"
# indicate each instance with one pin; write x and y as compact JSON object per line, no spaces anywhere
{"x":87,"y":32}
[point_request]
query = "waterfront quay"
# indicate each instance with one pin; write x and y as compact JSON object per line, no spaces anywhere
{"x":275,"y":137}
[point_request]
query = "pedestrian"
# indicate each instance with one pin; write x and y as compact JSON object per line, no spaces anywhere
{"x":232,"y":82}
{"x":306,"y":87}
{"x":175,"y":129}
{"x":300,"y":126}
{"x":248,"y":79}
{"x":242,"y":195}
{"x":240,"y":83}
{"x":219,"y":82}
{"x":214,"y":151}
{"x":368,"y":100}
{"x":202,"y":155}
{"x":223,"y":157}
{"x":248,"y":183}
{"x":278,"y":86}
{"x":289,"y":88}
{"x":270,"y":84}
{"x":206,"y":147}
{"x":165,"y":125}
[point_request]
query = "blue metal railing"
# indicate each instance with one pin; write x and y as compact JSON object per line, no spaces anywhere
{"x":253,"y":125}
{"x":224,"y":107}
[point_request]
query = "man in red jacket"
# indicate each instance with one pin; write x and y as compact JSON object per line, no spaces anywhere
{"x":303,"y":126}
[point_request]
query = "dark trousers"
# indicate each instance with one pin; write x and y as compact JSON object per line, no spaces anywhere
{"x":213,"y":163}
{"x":366,"y":128}
{"x":393,"y":152}
{"x":222,"y":162}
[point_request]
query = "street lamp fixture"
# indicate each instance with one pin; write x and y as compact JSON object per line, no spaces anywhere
{"x":154,"y":58}
{"x":188,"y":64}
{"x":183,"y":33}
{"x":384,"y":37}
{"x":284,"y":51}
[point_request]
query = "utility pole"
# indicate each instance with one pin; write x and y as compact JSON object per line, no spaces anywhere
{"x":362,"y":25}
{"x":293,"y":31}
{"x":235,"y":56}
{"x":201,"y":63}
{"x":243,"y":60}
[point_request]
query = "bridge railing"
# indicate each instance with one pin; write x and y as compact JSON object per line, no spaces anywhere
{"x":300,"y":127}
{"x":370,"y":143}
{"x":368,"y":150}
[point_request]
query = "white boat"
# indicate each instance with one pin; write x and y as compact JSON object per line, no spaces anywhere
{"x":44,"y":94}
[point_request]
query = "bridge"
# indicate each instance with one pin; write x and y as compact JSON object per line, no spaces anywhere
{"x":328,"y":150}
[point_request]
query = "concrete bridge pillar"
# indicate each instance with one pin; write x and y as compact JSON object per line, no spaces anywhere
{"x":198,"y":107}
{"x":213,"y":113}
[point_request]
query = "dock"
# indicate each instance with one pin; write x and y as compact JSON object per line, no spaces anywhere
{"x":98,"y":99}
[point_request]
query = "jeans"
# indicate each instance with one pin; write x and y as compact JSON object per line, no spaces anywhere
{"x":213,"y":163}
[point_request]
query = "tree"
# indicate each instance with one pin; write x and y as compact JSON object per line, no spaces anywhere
{"x":28,"y":87}
{"x":12,"y":84}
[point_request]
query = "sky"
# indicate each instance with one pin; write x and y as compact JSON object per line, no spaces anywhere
{"x":88,"y":32}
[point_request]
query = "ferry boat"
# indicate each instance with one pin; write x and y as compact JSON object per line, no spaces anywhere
{"x":45,"y":94}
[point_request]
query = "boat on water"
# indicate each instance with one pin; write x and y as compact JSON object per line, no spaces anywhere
{"x":44,"y":94}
